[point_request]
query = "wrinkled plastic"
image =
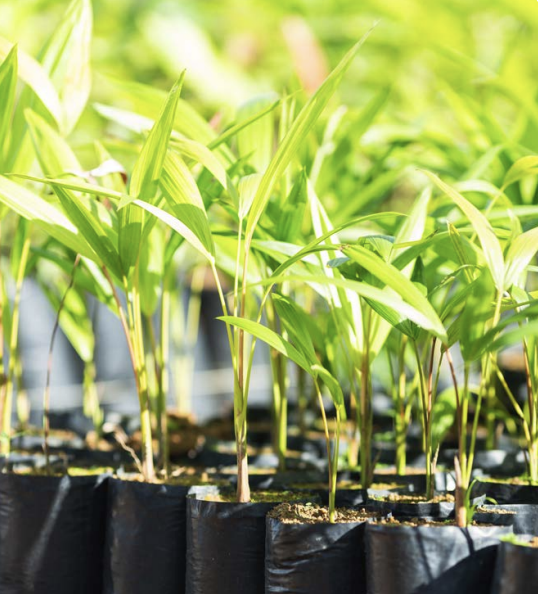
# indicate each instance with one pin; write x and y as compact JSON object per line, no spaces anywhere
{"x":225,"y":546}
{"x":145,"y":538}
{"x":516,"y":570}
{"x":314,"y":558}
{"x":525,"y":519}
{"x":506,"y":492}
{"x":431,"y":559}
{"x":441,"y":510}
{"x":51,"y":534}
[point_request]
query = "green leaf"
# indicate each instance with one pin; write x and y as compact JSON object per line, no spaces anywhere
{"x":88,"y":222}
{"x":8,"y":87}
{"x":255,"y":142}
{"x":391,"y":300}
{"x":271,"y":338}
{"x":478,"y":310}
{"x":53,"y":153}
{"x":67,"y":60}
{"x":21,"y":235}
{"x":520,"y":254}
{"x":201,"y":154}
{"x":34,"y":208}
{"x":178,"y":226}
{"x":295,"y":137}
{"x":520,"y":169}
{"x":183,"y":197}
{"x":490,"y":244}
{"x":296,"y":323}
{"x":145,"y":179}
{"x":332,"y":384}
{"x":248,"y":186}
{"x":399,"y":283}
{"x":33,"y":74}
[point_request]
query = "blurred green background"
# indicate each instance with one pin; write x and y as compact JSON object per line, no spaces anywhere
{"x":234,"y":49}
{"x":452,"y":85}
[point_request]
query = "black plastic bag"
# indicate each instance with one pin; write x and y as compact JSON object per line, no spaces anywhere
{"x":431,"y":559}
{"x":516,"y":571}
{"x":51,"y":534}
{"x":314,"y":558}
{"x":225,"y":546}
{"x":145,"y":538}
{"x":503,"y":492}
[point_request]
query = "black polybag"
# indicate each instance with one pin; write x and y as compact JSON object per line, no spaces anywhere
{"x":225,"y":546}
{"x":503,"y":492}
{"x":431,"y":559}
{"x":51,"y":534}
{"x":145,"y":538}
{"x":516,"y":571}
{"x":314,"y":558}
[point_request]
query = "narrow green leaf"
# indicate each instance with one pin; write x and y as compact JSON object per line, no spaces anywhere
{"x":67,"y":60}
{"x":520,"y":169}
{"x":33,"y":74}
{"x":88,"y":223}
{"x":8,"y":87}
{"x":394,"y":279}
{"x":295,"y":137}
{"x":145,"y":180}
{"x":255,"y":142}
{"x":520,"y":254}
{"x":271,"y":338}
{"x":178,"y":226}
{"x":183,"y":197}
{"x":34,"y":208}
{"x":488,"y":240}
{"x":53,"y":153}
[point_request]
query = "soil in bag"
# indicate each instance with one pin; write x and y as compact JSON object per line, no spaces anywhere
{"x":433,"y":558}
{"x":516,"y":571}
{"x":305,"y":554}
{"x":145,"y":538}
{"x":226,"y":541}
{"x":51,"y":533}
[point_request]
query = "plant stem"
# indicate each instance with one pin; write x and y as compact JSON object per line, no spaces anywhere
{"x":137,"y":364}
{"x":7,"y":405}
{"x":366,"y":414}
{"x":46,"y":396}
{"x":400,"y":416}
{"x":332,"y":474}
{"x":426,"y":424}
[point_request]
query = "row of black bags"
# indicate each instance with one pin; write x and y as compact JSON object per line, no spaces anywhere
{"x":102,"y":535}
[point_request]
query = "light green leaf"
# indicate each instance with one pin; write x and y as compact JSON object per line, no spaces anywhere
{"x":34,"y":208}
{"x":33,"y":74}
{"x":295,"y":137}
{"x":53,"y":153}
{"x":67,"y":60}
{"x":183,"y":197}
{"x":88,"y":222}
{"x":520,"y":254}
{"x":8,"y":87}
{"x":520,"y":169}
{"x":399,"y":283}
{"x":488,"y":240}
{"x":145,"y":179}
{"x":178,"y":226}
{"x":271,"y":338}
{"x":255,"y":142}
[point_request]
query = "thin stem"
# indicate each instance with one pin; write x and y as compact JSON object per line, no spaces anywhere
{"x":7,"y":405}
{"x":46,"y":396}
